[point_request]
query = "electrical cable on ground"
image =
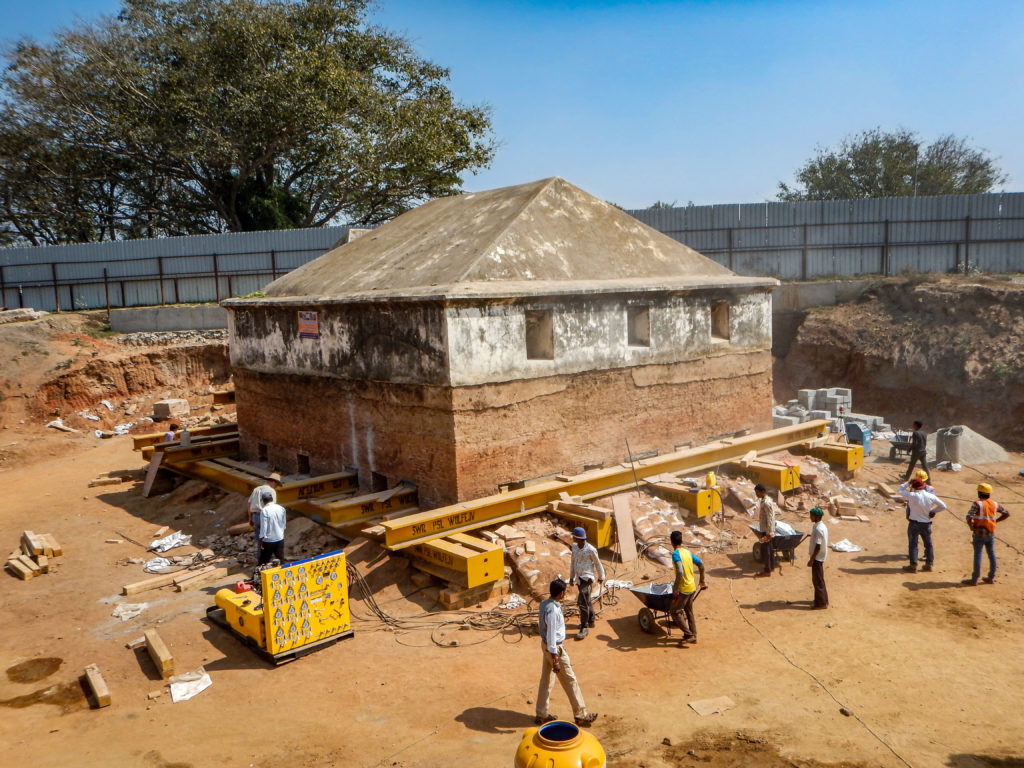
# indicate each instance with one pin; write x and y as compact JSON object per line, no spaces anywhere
{"x":816,"y":679}
{"x":494,"y":621}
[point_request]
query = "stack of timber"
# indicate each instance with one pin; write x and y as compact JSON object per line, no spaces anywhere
{"x":35,"y":557}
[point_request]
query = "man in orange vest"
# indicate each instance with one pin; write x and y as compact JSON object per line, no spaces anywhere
{"x":982,"y":519}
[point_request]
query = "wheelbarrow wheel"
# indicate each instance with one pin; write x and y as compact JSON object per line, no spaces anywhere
{"x":646,"y":619}
{"x":758,"y":551}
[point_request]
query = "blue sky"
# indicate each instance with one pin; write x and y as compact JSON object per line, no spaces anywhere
{"x":709,"y":102}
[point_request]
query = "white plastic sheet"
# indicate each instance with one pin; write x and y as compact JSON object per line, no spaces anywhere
{"x":156,"y":565}
{"x":189,"y":684}
{"x":125,"y":611}
{"x":784,"y":529}
{"x":845,"y":545}
{"x":176,"y":539}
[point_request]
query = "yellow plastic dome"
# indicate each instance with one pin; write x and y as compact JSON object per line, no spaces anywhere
{"x":559,"y":744}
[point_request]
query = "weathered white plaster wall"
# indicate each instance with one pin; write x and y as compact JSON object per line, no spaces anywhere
{"x":465,"y":344}
{"x":488,"y":344}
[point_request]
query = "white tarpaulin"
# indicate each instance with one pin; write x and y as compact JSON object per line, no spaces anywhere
{"x":125,"y":611}
{"x":845,"y":545}
{"x":188,"y":684}
{"x":176,"y":539}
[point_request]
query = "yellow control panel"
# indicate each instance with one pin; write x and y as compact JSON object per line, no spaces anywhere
{"x":305,"y":602}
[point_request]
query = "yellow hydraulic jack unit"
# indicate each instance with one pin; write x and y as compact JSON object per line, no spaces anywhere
{"x":300,"y":608}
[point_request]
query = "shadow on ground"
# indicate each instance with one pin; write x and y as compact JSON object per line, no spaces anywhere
{"x":493,"y":720}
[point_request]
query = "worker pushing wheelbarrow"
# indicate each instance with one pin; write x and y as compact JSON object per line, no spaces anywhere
{"x":783,"y":542}
{"x":658,"y":604}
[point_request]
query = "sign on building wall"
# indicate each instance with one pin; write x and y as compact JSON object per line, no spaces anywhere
{"x":309,"y":325}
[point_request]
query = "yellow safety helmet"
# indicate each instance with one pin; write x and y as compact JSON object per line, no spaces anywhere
{"x":984,"y":488}
{"x":921,"y":474}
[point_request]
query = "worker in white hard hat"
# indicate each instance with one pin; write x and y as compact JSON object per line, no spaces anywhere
{"x":982,"y":519}
{"x":585,"y":568}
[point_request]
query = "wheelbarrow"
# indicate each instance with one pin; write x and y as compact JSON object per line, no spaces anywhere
{"x":783,"y":544}
{"x":901,"y":445}
{"x":657,"y":600}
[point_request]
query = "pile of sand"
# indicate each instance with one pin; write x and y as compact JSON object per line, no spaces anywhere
{"x":963,"y":445}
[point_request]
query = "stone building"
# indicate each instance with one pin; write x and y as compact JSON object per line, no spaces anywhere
{"x":492,"y":338}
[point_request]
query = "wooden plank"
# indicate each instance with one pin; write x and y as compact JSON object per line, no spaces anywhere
{"x":159,"y":653}
{"x":97,"y":685}
{"x":19,"y":570}
{"x":624,"y":526}
{"x":151,"y":473}
{"x":29,"y":563}
{"x":161,"y":580}
{"x":181,"y":577}
{"x":52,"y":548}
{"x":203,"y":579}
{"x":33,"y":542}
{"x":43,"y":562}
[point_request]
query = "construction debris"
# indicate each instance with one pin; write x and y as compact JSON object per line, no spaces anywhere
{"x":34,"y":557}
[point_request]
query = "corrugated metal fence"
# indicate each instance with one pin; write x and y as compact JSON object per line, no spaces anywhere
{"x":790,"y":241}
{"x":170,"y":270}
{"x":887,"y":236}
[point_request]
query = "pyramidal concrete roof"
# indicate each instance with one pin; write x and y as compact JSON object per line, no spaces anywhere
{"x":548,"y":236}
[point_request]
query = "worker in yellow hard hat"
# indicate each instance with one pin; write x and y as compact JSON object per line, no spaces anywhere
{"x":982,"y":519}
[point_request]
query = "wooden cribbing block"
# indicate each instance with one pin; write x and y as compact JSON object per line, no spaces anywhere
{"x":97,"y":481}
{"x":181,"y":578}
{"x":163,"y":580}
{"x":51,"y":544}
{"x":202,"y":579}
{"x":43,"y":562}
{"x":32,"y":543}
{"x":159,"y":654}
{"x":29,"y":563}
{"x":240,"y":528}
{"x":98,"y":686}
{"x":18,"y":569}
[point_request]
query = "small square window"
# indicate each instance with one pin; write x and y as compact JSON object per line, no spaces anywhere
{"x":638,"y":326}
{"x":720,"y":321}
{"x":540,"y":335}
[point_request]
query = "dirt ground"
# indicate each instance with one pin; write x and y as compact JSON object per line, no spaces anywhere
{"x":902,"y":670}
{"x":924,"y":666}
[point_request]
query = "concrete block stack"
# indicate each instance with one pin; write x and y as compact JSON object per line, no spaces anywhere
{"x":832,"y":403}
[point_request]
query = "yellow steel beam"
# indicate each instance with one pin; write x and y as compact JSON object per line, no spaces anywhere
{"x":382,"y":503}
{"x":141,"y":441}
{"x":465,"y":516}
{"x":208,"y":449}
{"x":241,"y":481}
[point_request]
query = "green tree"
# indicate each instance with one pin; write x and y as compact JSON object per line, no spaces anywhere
{"x":190,"y":116}
{"x":894,"y":164}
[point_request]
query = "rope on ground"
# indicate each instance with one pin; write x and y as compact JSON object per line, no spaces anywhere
{"x":816,"y":679}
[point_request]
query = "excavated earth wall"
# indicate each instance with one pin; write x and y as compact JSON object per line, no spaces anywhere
{"x":942,"y":350}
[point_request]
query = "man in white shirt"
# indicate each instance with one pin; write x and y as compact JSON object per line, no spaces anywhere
{"x":922,"y":506}
{"x":585,"y":567}
{"x":551,"y":624}
{"x":273,"y":519}
{"x":819,"y":549}
{"x":256,"y":503}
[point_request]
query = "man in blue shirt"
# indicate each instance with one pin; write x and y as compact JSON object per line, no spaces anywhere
{"x":551,"y":624}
